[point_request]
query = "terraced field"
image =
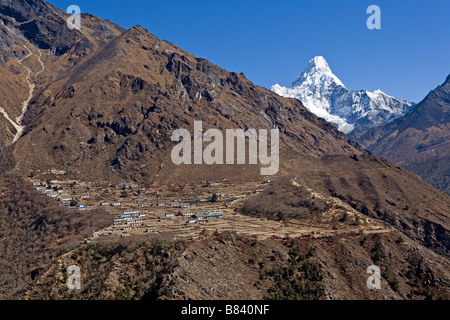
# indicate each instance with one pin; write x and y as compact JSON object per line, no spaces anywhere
{"x":154,"y":214}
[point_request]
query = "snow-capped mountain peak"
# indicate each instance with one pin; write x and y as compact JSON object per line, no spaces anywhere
{"x":322,"y":93}
{"x":317,"y":68}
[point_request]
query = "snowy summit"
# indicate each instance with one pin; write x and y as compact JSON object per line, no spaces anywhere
{"x":322,"y":93}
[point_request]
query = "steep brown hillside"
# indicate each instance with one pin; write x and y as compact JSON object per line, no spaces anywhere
{"x":34,"y":231}
{"x":36,"y":48}
{"x":112,"y":116}
{"x":44,"y":26}
{"x":331,"y":268}
{"x":231,"y":266}
{"x":419,"y":141}
{"x":383,"y":190}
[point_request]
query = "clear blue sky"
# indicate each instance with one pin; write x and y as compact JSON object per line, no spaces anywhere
{"x":272,"y":41}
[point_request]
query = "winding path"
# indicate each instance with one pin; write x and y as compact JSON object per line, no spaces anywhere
{"x":31,"y":87}
{"x":5,"y":114}
{"x":17,"y":124}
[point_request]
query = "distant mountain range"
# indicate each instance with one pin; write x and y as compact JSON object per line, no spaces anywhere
{"x":322,"y":93}
{"x":419,"y":141}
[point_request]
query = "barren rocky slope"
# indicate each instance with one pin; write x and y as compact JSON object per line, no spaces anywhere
{"x":232,"y":266}
{"x":419,"y":141}
{"x":112,"y":115}
{"x":36,"y":48}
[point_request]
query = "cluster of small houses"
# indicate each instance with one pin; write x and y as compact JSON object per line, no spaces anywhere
{"x":178,"y":204}
{"x":174,"y":204}
{"x":54,"y":191}
{"x":197,"y":216}
{"x":130,"y":219}
{"x":114,"y":203}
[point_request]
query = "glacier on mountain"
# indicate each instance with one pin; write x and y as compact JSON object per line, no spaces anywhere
{"x":322,"y":93}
